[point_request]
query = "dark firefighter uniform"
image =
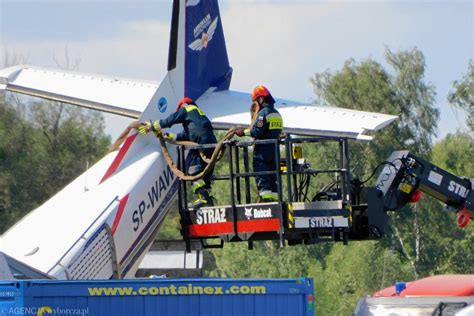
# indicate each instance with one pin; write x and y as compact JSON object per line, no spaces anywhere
{"x":198,"y":129}
{"x":268,"y":125}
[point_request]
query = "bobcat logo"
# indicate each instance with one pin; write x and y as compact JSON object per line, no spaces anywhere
{"x":248,"y":213}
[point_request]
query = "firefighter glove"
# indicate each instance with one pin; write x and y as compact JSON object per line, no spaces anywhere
{"x":170,"y":137}
{"x":144,"y":128}
{"x":155,"y":127}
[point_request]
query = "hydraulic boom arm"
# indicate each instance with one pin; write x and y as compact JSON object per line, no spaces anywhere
{"x":407,"y":175}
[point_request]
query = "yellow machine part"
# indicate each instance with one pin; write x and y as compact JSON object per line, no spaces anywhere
{"x":297,"y":152}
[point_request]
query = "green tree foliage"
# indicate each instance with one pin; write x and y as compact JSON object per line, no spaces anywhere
{"x":41,"y":151}
{"x":11,"y":148}
{"x":462,"y":95}
{"x":367,"y":86}
{"x":73,"y":137}
{"x":266,"y":260}
{"x":454,"y":154}
{"x":353,"y":272}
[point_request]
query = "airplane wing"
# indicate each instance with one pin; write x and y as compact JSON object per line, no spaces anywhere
{"x":121,"y":96}
{"x":226,"y":109}
{"x":230,"y":108}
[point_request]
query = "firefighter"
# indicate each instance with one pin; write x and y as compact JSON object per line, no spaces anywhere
{"x":198,"y":129}
{"x":267,"y":123}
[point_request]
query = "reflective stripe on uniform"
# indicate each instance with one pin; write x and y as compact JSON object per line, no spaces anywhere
{"x":269,"y":195}
{"x":198,"y":184}
{"x":194,"y":169}
{"x":200,"y":199}
{"x":274,"y":121}
{"x":190,"y":108}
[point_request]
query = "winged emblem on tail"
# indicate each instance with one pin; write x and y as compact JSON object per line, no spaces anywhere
{"x":205,"y":38}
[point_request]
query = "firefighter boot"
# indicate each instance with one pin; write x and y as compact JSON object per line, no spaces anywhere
{"x":204,"y":199}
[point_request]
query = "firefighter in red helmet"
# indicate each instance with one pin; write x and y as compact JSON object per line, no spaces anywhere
{"x":198,"y":129}
{"x":267,"y":123}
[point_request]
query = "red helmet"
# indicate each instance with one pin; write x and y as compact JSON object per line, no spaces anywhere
{"x":185,"y":100}
{"x":259,"y":91}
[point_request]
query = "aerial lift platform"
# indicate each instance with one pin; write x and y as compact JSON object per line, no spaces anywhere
{"x":344,"y":210}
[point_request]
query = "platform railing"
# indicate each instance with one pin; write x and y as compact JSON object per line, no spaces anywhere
{"x":238,"y":160}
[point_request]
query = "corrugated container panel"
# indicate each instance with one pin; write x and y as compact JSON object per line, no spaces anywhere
{"x":163,"y":297}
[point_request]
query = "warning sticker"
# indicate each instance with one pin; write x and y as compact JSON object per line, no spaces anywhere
{"x":435,"y":177}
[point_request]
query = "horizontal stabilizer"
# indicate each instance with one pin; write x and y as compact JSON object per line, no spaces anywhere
{"x":5,"y":272}
{"x":11,"y":269}
{"x":120,"y":96}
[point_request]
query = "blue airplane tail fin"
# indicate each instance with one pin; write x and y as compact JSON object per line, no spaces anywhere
{"x":200,"y":46}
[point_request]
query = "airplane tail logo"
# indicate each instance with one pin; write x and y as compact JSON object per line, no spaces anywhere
{"x":206,"y":37}
{"x":206,"y":61}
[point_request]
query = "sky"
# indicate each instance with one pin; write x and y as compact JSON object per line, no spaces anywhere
{"x":280,"y":44}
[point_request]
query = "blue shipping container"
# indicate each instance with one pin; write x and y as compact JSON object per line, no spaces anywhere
{"x":163,"y":297}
